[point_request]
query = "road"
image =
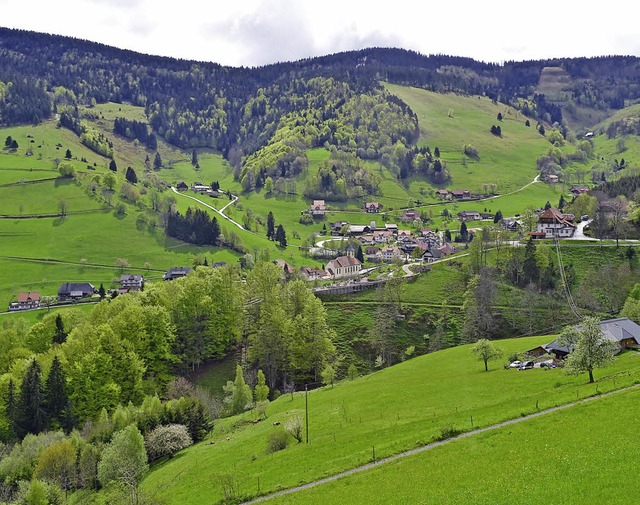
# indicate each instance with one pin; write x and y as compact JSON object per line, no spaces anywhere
{"x":221,"y":212}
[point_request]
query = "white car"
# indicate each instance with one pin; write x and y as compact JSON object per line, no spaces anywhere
{"x":515,"y":364}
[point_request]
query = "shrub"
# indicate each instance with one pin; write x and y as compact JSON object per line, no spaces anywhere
{"x":166,"y":440}
{"x":277,"y":441}
{"x":293,"y":426}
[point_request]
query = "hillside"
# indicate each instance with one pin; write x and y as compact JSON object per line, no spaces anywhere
{"x":399,"y":408}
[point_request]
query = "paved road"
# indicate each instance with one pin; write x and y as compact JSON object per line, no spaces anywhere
{"x":436,"y":444}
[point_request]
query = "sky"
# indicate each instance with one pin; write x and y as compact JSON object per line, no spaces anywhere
{"x":252,"y":33}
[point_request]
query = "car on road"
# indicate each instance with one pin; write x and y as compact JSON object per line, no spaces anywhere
{"x":526,"y":365}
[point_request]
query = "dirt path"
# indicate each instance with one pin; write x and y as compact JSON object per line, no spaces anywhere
{"x":434,"y":445}
{"x":235,"y":198}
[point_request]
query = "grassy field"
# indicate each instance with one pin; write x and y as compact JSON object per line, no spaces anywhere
{"x":395,"y":409}
{"x":576,"y":455}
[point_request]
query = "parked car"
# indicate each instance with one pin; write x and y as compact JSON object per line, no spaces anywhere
{"x":515,"y":364}
{"x":526,"y":365}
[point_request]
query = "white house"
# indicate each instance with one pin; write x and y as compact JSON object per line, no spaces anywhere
{"x":344,"y":266}
{"x":554,"y":223}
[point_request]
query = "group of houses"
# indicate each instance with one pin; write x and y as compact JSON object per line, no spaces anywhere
{"x":318,"y":208}
{"x":198,"y":187}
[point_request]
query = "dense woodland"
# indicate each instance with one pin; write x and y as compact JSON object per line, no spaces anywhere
{"x":262,"y":119}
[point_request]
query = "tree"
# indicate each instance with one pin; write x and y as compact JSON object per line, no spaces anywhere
{"x":109,"y":181}
{"x":112,"y":166}
{"x":8,"y":141}
{"x":131,"y":175}
{"x":68,"y":154}
{"x":101,"y":291}
{"x":166,"y":440}
{"x":32,"y":416}
{"x":157,"y":161}
{"x":281,"y":236}
{"x":328,"y":375}
{"x":485,"y":351}
{"x":498,"y":217}
{"x":63,"y":207}
{"x":57,"y":464}
{"x":589,"y":347}
{"x":56,"y":399}
{"x":238,"y":393}
{"x":261,"y":391}
{"x":59,"y":335}
{"x":499,"y":116}
{"x":271,"y":226}
{"x":124,"y":461}
{"x":194,"y":158}
{"x":360,"y":255}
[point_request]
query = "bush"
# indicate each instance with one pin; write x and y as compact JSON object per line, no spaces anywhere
{"x":277,"y":441}
{"x":293,"y":426}
{"x":166,"y":440}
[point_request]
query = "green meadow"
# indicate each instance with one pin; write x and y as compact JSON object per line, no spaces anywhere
{"x":398,"y":408}
{"x":576,"y":455}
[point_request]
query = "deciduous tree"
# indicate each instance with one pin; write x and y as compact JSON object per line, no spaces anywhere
{"x":485,"y":351}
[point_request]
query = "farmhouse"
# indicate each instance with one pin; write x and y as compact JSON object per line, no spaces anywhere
{"x":26,"y":301}
{"x":176,"y":273}
{"x":344,"y":266}
{"x":622,"y":331}
{"x":358,"y":229}
{"x":182,"y":186}
{"x":443,"y":193}
{"x":579,"y":190}
{"x":372,"y":207}
{"x":372,"y":253}
{"x":130,"y":282}
{"x":554,"y":223}
{"x":198,"y":187}
{"x":461,"y":194}
{"x":469,"y":215}
{"x":390,"y":253}
{"x":317,"y":208}
{"x":75,"y":291}
{"x":410,"y":215}
{"x":286,"y":268}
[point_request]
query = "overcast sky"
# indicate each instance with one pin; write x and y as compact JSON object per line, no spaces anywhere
{"x":257,"y":32}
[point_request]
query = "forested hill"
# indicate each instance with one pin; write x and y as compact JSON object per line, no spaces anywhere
{"x":267,"y":116}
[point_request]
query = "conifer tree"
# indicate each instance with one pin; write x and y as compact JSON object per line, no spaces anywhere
{"x":32,"y":416}
{"x":59,"y":335}
{"x":57,"y":400}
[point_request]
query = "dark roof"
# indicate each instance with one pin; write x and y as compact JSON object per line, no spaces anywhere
{"x":176,"y":272}
{"x":615,"y":330}
{"x":70,"y":287}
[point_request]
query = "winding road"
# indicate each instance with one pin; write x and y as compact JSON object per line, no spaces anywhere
{"x":234,"y":199}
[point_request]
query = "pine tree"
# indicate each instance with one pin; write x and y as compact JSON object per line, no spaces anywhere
{"x":112,"y":166}
{"x":194,"y":158}
{"x":59,"y":335}
{"x":281,"y":236}
{"x":131,"y":175}
{"x":157,"y":161}
{"x":271,"y":226}
{"x":101,"y":291}
{"x":359,"y":254}
{"x":56,"y":398}
{"x":32,"y":416}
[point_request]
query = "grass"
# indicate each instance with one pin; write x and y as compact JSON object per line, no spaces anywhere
{"x":394,"y":409}
{"x":576,"y":455}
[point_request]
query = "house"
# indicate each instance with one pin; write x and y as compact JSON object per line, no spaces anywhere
{"x":358,"y":229}
{"x":176,"y":273}
{"x":382,"y":236}
{"x":392,"y":227}
{"x":313,"y":273}
{"x":130,"y":282}
{"x":372,"y":207}
{"x":373,"y":253}
{"x":579,"y":190}
{"x":26,"y":301}
{"x":552,"y":178}
{"x":622,"y":331}
{"x":469,"y":215}
{"x":410,"y":215}
{"x":510,"y":224}
{"x":447,"y":249}
{"x":75,"y":291}
{"x":344,"y":266}
{"x":404,"y":235}
{"x":182,"y":186}
{"x":429,"y":254}
{"x":461,"y":194}
{"x":317,"y":208}
{"x":336,"y":228}
{"x":554,"y":223}
{"x":286,"y":268}
{"x":200,"y":188}
{"x":390,"y":253}
{"x":443,"y":193}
